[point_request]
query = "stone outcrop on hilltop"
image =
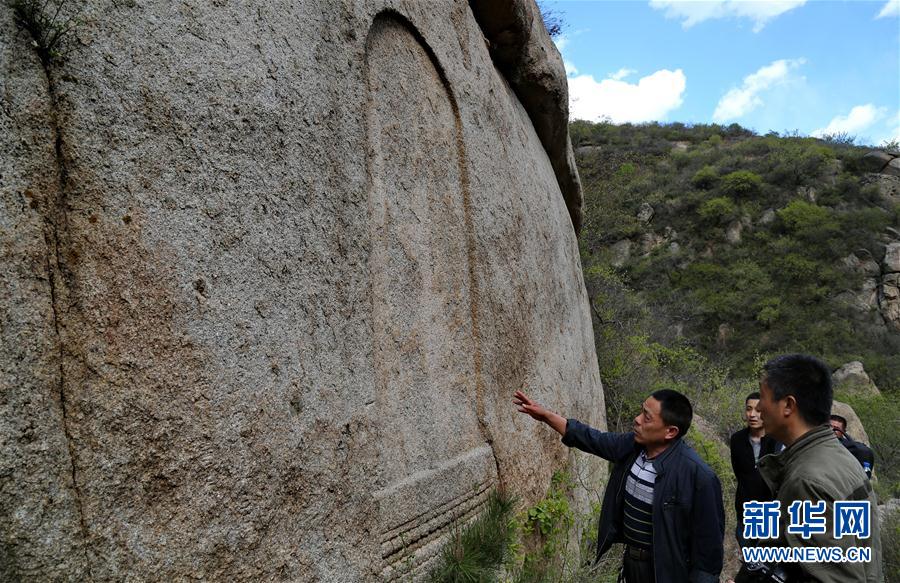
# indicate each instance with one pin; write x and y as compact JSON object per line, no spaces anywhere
{"x":884,"y":171}
{"x":270,"y":276}
{"x":879,"y":291}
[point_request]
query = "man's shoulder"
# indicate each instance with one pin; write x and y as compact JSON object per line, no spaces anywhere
{"x":692,"y":461}
{"x":739,"y":434}
{"x":827,"y":469}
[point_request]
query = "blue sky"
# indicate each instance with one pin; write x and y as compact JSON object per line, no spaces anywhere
{"x":814,"y":66}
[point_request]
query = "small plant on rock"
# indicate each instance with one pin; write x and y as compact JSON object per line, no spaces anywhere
{"x":47,"y":23}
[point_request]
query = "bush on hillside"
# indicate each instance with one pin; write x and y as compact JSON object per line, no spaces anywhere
{"x":741,"y":183}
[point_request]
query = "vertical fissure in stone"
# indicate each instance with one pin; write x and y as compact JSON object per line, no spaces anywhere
{"x":55,"y":229}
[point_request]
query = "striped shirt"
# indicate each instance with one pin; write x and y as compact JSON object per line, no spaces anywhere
{"x":638,"y":515}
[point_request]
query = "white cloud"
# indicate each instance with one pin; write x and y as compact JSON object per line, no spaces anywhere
{"x":622,"y":73}
{"x":571,"y":69}
{"x":892,"y":133}
{"x":650,"y":99}
{"x":742,"y":100}
{"x":692,"y":12}
{"x":860,"y":118}
{"x":890,"y":8}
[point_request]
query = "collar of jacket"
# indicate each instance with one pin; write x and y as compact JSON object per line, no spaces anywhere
{"x":772,"y":466}
{"x":660,"y":461}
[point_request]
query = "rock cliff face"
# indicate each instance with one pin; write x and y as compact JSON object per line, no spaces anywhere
{"x":271,"y":273}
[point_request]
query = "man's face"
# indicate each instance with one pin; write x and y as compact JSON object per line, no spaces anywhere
{"x":770,"y":410}
{"x":838,"y":428}
{"x":649,"y":427}
{"x":751,"y":414}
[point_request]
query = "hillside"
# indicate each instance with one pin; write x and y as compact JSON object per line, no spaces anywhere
{"x":742,"y":246}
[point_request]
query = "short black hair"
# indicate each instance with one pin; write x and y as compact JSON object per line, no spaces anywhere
{"x":841,"y":419}
{"x":675,"y":409}
{"x":807,"y":379}
{"x":753,"y":395}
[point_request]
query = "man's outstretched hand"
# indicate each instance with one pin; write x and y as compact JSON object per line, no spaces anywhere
{"x":538,"y":412}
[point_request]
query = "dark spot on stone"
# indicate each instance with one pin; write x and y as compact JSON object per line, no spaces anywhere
{"x":33,"y":203}
{"x":73,"y":256}
{"x":92,"y":219}
{"x":126,"y":219}
{"x":28,"y":193}
{"x":296,"y":406}
{"x":276,"y":370}
{"x":200,"y":286}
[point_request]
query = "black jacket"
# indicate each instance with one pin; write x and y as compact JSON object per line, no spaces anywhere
{"x":688,"y":516}
{"x":861,"y":452}
{"x":750,"y":485}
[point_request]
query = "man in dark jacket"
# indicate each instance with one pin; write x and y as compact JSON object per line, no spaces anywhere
{"x":860,"y":451}
{"x":747,"y":446}
{"x":661,"y":500}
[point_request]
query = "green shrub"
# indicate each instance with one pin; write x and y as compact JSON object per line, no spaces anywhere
{"x":718,"y":210}
{"x":705,"y":178}
{"x":741,"y":183}
{"x":809,"y":221}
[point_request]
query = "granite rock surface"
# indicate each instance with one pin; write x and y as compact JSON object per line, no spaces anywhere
{"x":271,"y":273}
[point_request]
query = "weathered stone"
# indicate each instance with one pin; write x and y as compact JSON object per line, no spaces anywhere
{"x":807,"y":192}
{"x":733,"y":232}
{"x":523,"y":51}
{"x":724,"y":334}
{"x":651,"y":241}
{"x":889,"y":300}
{"x":866,"y":266}
{"x":767,"y":217}
{"x":40,"y":504}
{"x":620,"y":252}
{"x":855,"y":427}
{"x":853,"y":377}
{"x":893,"y":168}
{"x":891,"y":261}
{"x":888,"y":186}
{"x":851,"y":262}
{"x":875,"y":161}
{"x":270,"y":277}
{"x":588,"y":150}
{"x":680,"y":146}
{"x":645,"y":213}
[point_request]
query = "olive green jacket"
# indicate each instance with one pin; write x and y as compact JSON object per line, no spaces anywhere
{"x":817,"y":467}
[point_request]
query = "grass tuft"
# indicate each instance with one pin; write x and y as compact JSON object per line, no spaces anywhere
{"x":476,"y":553}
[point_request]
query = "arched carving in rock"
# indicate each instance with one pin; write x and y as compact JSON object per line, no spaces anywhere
{"x":435,"y":465}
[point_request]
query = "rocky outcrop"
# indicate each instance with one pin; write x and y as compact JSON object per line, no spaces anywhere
{"x":852,"y":378}
{"x":528,"y":59}
{"x":645,"y":213}
{"x":883,"y":171}
{"x":269,"y":278}
{"x":879,"y":291}
{"x":889,"y":290}
{"x":876,"y":161}
{"x":864,"y":299}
